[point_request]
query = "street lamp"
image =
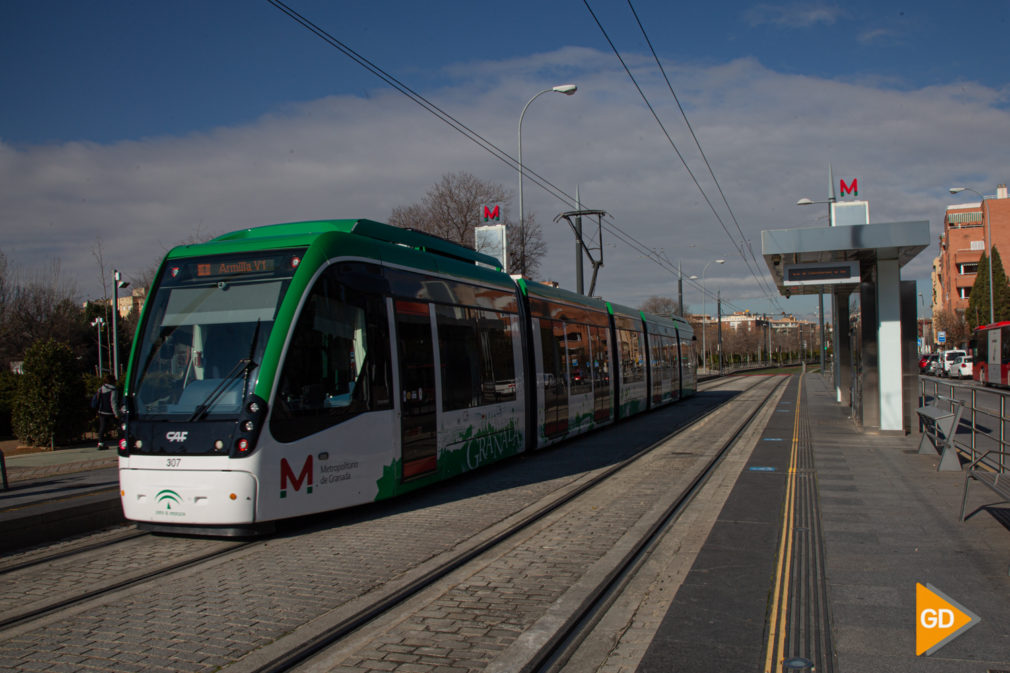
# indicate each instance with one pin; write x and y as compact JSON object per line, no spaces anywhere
{"x":98,"y":322}
{"x":704,"y":315}
{"x":988,"y":242}
{"x":119,"y":284}
{"x":568,"y":90}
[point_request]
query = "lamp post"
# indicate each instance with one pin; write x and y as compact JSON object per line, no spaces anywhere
{"x":568,"y":90}
{"x":98,"y":322}
{"x":704,"y":315}
{"x":988,"y":242}
{"x":119,"y":284}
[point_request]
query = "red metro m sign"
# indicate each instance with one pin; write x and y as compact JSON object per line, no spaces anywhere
{"x":851,"y":189}
{"x":491,"y":212}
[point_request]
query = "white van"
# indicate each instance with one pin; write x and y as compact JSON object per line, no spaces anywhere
{"x":948,"y":358}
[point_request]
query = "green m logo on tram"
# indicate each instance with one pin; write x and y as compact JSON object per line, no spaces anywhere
{"x":288,"y":476}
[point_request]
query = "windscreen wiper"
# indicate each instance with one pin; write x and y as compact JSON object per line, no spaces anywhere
{"x":241,"y":368}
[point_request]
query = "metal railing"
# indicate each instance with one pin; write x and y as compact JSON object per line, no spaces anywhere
{"x":985,"y":419}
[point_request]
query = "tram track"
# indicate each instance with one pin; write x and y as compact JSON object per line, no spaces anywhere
{"x":64,"y":549}
{"x":363,"y":607}
{"x":555,"y":654}
{"x":560,"y":634}
{"x":50,"y":603}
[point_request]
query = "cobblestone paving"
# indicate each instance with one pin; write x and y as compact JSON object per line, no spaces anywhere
{"x":30,"y":588}
{"x":472,"y":624}
{"x":249,"y":599}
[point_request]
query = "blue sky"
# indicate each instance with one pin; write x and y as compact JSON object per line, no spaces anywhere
{"x":128,"y":127}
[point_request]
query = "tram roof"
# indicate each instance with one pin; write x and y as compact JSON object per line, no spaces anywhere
{"x":535,"y":289}
{"x":292,"y":234}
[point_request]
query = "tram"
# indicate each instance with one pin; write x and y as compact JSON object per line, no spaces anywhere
{"x":297,"y":368}
{"x":991,"y":351}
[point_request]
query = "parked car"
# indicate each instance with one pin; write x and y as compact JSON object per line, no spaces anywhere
{"x":932,"y":364}
{"x":947,"y":360}
{"x":925,"y":360}
{"x":961,"y":367}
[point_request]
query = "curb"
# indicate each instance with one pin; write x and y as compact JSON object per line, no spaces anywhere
{"x":18,"y":474}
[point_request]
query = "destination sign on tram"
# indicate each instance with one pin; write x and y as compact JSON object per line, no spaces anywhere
{"x":231,"y":267}
{"x":280,"y":264}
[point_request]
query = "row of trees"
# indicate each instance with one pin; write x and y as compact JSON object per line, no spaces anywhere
{"x":48,"y":336}
{"x":748,"y":342}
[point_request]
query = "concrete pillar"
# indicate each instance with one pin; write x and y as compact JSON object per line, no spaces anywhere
{"x":842,"y":346}
{"x":889,"y":343}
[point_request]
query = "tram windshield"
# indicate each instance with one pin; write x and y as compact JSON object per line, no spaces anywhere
{"x":205,"y":333}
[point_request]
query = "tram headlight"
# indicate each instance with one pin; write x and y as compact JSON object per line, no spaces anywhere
{"x":248,"y":426}
{"x":242,"y":445}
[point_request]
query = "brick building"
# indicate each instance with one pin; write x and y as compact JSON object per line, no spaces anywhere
{"x":962,"y":244}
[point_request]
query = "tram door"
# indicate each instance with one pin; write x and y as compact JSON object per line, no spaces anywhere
{"x":417,"y":389}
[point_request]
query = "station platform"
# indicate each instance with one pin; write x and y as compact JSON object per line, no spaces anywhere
{"x":814,"y":558}
{"x":866,"y":518}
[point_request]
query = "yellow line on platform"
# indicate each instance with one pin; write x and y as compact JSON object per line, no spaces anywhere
{"x":780,"y":597}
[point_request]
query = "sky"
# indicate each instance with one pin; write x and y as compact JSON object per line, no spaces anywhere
{"x":129,"y":127}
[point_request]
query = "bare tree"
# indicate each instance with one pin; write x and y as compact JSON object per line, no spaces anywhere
{"x":526,"y":246}
{"x":953,"y":323}
{"x":661,"y":306}
{"x":37,"y":308}
{"x":451,"y":210}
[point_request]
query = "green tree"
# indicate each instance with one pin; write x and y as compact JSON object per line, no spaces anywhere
{"x":8,"y":388}
{"x":50,"y":405}
{"x":977,"y":312}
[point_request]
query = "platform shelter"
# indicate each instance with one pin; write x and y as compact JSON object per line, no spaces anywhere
{"x":874,"y":311}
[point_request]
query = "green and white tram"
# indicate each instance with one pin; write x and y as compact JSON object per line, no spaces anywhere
{"x":298,"y":368}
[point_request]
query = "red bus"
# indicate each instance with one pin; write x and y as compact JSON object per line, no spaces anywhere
{"x":991,"y":346}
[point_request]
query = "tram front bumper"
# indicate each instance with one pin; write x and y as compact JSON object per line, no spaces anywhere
{"x":188,"y":497}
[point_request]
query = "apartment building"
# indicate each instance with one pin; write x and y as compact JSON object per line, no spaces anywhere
{"x":962,"y":244}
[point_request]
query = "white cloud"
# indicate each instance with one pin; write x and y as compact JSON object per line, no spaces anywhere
{"x":769,"y":137}
{"x":792,"y":15}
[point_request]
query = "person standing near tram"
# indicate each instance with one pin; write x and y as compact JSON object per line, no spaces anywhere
{"x":106,"y":402}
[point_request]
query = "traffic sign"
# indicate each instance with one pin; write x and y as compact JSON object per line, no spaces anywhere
{"x":941,"y":337}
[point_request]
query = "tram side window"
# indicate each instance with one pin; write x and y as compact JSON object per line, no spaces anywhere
{"x":337,"y":364}
{"x":579,"y":364}
{"x":459,"y":352}
{"x":495,"y":331}
{"x":601,"y":356}
{"x":477,"y":359}
{"x":632,"y":356}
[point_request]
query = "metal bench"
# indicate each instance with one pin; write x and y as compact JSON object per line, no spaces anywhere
{"x":999,"y":482}
{"x":939,"y":427}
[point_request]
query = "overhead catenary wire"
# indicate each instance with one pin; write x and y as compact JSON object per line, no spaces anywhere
{"x":738,"y":246}
{"x":697,"y":142}
{"x":464,"y":130}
